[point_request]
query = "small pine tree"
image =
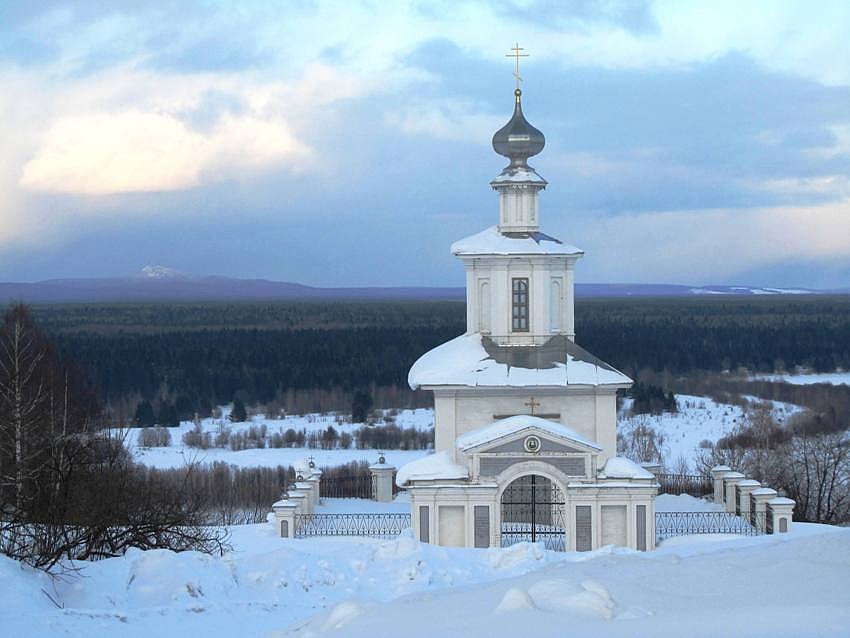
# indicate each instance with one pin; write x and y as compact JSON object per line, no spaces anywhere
{"x":361,"y":405}
{"x":238,"y":414}
{"x":144,"y":417}
{"x":168,"y":417}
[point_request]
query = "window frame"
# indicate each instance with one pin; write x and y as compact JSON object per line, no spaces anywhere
{"x":520,"y":322}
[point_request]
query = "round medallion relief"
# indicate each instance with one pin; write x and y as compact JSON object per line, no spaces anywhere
{"x":532,"y":444}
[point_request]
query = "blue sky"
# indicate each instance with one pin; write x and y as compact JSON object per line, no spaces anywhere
{"x":346,"y":143}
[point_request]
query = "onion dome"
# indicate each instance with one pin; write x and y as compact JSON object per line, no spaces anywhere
{"x":518,"y":140}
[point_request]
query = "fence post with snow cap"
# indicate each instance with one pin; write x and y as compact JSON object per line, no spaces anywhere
{"x":313,"y":480}
{"x":730,"y":482}
{"x":299,"y":498}
{"x":306,"y":489}
{"x":760,"y":497}
{"x":284,"y":513}
{"x":780,"y":511}
{"x":717,"y":474}
{"x":743,"y":489}
{"x":382,"y":480}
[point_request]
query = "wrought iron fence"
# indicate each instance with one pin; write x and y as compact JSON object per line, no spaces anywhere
{"x":381,"y":525}
{"x":693,"y":484}
{"x":669,"y":524}
{"x":346,"y":486}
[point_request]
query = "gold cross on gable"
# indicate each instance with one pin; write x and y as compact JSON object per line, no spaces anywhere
{"x":516,"y":54}
{"x":531,"y":403}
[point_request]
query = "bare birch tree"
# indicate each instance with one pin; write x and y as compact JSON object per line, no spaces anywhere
{"x":25,"y":402}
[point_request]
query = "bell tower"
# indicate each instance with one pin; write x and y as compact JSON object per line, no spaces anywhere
{"x":519,"y":280}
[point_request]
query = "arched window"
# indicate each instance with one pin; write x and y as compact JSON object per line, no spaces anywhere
{"x":519,"y":305}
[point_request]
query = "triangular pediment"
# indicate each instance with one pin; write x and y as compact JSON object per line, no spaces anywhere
{"x":511,"y":435}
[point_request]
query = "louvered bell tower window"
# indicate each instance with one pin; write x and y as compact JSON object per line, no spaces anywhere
{"x":519,"y":305}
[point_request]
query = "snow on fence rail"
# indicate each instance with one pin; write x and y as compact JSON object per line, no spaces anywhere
{"x":347,"y":486}
{"x":381,"y":525}
{"x":669,"y":524}
{"x":691,"y":484}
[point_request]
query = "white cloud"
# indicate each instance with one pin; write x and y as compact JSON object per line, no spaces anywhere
{"x":700,"y":247}
{"x":125,"y":130}
{"x":134,"y":151}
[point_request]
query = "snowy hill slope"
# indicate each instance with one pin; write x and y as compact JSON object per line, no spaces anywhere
{"x":698,"y":419}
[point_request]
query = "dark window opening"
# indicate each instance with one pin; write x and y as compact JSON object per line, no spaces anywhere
{"x":519,"y":304}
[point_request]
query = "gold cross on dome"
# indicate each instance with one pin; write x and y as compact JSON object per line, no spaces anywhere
{"x":531,"y":403}
{"x":516,"y":54}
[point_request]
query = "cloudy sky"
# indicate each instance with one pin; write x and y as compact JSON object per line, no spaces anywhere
{"x":346,"y":143}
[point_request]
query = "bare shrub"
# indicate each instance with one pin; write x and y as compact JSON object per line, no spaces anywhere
{"x":197,"y":438}
{"x":641,"y":443}
{"x":154,"y":437}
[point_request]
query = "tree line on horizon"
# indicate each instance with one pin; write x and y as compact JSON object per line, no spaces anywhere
{"x":188,"y":359}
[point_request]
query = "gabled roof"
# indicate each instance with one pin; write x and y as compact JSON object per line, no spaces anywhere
{"x":619,"y":467}
{"x":492,"y":242}
{"x":476,"y":360}
{"x":510,"y":426}
{"x":437,"y":466}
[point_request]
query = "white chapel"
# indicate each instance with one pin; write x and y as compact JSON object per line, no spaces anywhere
{"x":525,"y":419}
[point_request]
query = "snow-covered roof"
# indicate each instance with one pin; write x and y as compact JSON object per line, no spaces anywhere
{"x":619,"y":467}
{"x":476,"y":360}
{"x":748,"y":483}
{"x":492,"y":242}
{"x":431,"y":468}
{"x":514,"y":424}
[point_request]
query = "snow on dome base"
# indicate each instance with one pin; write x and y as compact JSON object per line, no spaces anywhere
{"x":475,"y":360}
{"x":491,"y":242}
{"x":518,"y":175}
{"x":437,"y":466}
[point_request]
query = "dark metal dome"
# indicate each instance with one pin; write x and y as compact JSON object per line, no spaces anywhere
{"x":518,"y":140}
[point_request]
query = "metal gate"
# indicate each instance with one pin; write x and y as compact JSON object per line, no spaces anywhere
{"x":533,"y":510}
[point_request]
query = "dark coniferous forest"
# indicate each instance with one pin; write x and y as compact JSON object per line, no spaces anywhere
{"x":205,"y":354}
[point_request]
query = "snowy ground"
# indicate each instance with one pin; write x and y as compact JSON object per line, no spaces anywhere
{"x":692,"y":586}
{"x":177,"y":455}
{"x":832,"y":378}
{"x":698,"y":419}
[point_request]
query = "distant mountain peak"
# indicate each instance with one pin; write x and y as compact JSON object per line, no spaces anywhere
{"x":161,"y":272}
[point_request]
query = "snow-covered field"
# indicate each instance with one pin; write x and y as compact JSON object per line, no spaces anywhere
{"x":831,"y":378}
{"x":177,"y":454}
{"x":698,"y":419}
{"x":268,"y":586}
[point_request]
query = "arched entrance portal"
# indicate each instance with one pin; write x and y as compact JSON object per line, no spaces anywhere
{"x":533,"y":509}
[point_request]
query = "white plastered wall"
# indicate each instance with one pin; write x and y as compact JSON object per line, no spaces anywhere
{"x":590,"y":411}
{"x":488,"y":296}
